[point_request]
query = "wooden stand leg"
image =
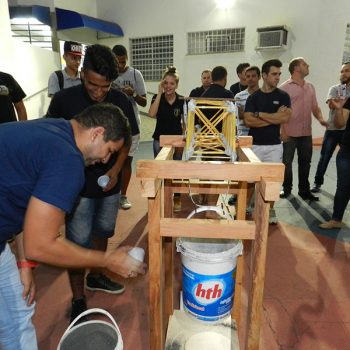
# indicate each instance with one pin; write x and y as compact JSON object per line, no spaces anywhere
{"x":258,"y":272}
{"x":155,"y":274}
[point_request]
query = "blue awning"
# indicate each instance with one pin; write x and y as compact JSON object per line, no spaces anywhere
{"x":41,"y":13}
{"x":67,"y":19}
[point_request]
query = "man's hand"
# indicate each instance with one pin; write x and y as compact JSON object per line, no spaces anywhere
{"x":127,"y":89}
{"x":27,"y":279}
{"x":120,"y":262}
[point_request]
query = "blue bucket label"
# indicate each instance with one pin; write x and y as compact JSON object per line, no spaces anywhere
{"x":208,"y":297}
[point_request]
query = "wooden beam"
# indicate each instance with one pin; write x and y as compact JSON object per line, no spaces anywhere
{"x":172,"y":140}
{"x":157,"y":337}
{"x":207,"y":228}
{"x":270,"y":190}
{"x":245,"y":154}
{"x":245,"y":141}
{"x":237,"y":171}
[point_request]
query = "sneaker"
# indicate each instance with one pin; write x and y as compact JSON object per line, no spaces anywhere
{"x":103,"y":284}
{"x":124,"y":203}
{"x":78,"y":306}
{"x":285,"y":194}
{"x":232,"y":200}
{"x":177,"y":204}
{"x":315,"y":188}
{"x":331,"y":224}
{"x":272,"y":217}
{"x":308,"y":196}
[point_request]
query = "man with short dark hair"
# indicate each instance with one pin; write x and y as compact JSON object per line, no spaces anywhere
{"x":297,"y":132}
{"x":41,"y":175}
{"x":69,"y":76}
{"x":265,"y":110}
{"x":333,"y":135}
{"x":241,"y":84}
{"x":131,"y":82}
{"x":206,"y":81}
{"x":11,"y":99}
{"x":93,"y":220}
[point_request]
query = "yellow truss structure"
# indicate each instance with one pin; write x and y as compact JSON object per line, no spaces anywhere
{"x":213,"y":137}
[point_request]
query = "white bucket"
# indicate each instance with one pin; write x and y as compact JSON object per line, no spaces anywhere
{"x":208,"y":276}
{"x":93,"y":334}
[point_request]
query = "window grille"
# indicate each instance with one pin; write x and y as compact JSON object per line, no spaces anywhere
{"x":32,"y":31}
{"x":151,"y":55}
{"x":216,"y":41}
{"x":346,"y":53}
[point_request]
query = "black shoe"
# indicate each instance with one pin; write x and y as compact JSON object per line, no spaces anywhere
{"x":315,"y":188}
{"x":232,"y":200}
{"x":99,"y":282}
{"x":78,"y":306}
{"x":308,"y":196}
{"x":285,"y":194}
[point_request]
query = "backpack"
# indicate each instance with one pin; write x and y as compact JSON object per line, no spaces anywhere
{"x":60,"y":78}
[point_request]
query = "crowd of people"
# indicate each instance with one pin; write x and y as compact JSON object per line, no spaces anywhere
{"x":51,"y":166}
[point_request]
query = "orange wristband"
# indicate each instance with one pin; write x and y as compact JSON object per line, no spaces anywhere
{"x":26,"y":263}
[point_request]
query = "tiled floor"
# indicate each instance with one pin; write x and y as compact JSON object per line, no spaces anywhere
{"x":307,"y":290}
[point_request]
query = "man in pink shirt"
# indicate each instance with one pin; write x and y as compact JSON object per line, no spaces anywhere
{"x":297,"y":133}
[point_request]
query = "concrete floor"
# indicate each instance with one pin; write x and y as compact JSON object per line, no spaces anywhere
{"x":307,"y":294}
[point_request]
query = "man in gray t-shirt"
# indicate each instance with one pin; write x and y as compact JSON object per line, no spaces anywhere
{"x":131,"y":82}
{"x":333,"y":136}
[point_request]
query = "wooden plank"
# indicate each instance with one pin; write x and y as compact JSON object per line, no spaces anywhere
{"x":258,"y":272}
{"x":172,"y":140}
{"x":149,"y":187}
{"x":237,"y":171}
{"x":246,"y":154}
{"x":242,"y":200}
{"x":205,"y":188}
{"x":270,"y":190}
{"x":157,"y":337}
{"x":207,"y":228}
{"x":165,"y":153}
{"x":245,"y":141}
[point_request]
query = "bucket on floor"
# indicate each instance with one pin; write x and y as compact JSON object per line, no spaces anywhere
{"x":208,"y":276}
{"x":93,"y":334}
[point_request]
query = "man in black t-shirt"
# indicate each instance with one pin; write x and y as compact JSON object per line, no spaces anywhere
{"x":206,"y":81}
{"x":93,"y":220}
{"x":11,"y":99}
{"x":265,"y":111}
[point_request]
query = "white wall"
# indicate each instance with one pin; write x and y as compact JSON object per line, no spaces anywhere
{"x":316,"y":32}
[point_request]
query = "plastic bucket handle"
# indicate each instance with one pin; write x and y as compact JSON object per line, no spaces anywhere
{"x":95,"y":311}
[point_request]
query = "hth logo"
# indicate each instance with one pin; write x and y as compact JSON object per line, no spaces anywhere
{"x":208,"y":292}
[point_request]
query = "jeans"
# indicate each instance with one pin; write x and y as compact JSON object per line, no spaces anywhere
{"x":157,"y":148}
{"x":331,"y":139}
{"x":342,"y":195}
{"x":92,"y":217}
{"x":16,"y":328}
{"x":303,"y":145}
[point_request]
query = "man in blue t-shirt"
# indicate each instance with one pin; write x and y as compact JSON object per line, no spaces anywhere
{"x":264,"y":112}
{"x":41,"y":175}
{"x":94,"y":217}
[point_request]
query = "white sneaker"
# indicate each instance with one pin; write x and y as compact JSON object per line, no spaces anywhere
{"x":272,"y":217}
{"x":124,"y":203}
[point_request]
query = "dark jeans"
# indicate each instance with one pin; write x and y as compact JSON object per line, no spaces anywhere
{"x":303,"y":145}
{"x":342,"y":194}
{"x":331,"y":139}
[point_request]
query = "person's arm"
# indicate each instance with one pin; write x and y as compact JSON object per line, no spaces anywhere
{"x":43,"y":243}
{"x":280,"y":117}
{"x":21,"y":110}
{"x":25,"y":271}
{"x":341,"y":114}
{"x":153,"y":109}
{"x":316,"y":111}
{"x":114,"y":171}
{"x":252,"y":121}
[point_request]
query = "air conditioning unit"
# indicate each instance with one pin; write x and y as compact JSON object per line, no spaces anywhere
{"x":272,"y":37}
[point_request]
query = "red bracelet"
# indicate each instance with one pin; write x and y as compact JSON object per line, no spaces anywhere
{"x":26,"y":263}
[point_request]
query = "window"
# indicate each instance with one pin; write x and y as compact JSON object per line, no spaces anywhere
{"x":152,"y":55}
{"x":32,"y":31}
{"x":346,"y":53}
{"x":215,"y":41}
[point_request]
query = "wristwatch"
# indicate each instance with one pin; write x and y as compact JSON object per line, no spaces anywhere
{"x":256,"y":115}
